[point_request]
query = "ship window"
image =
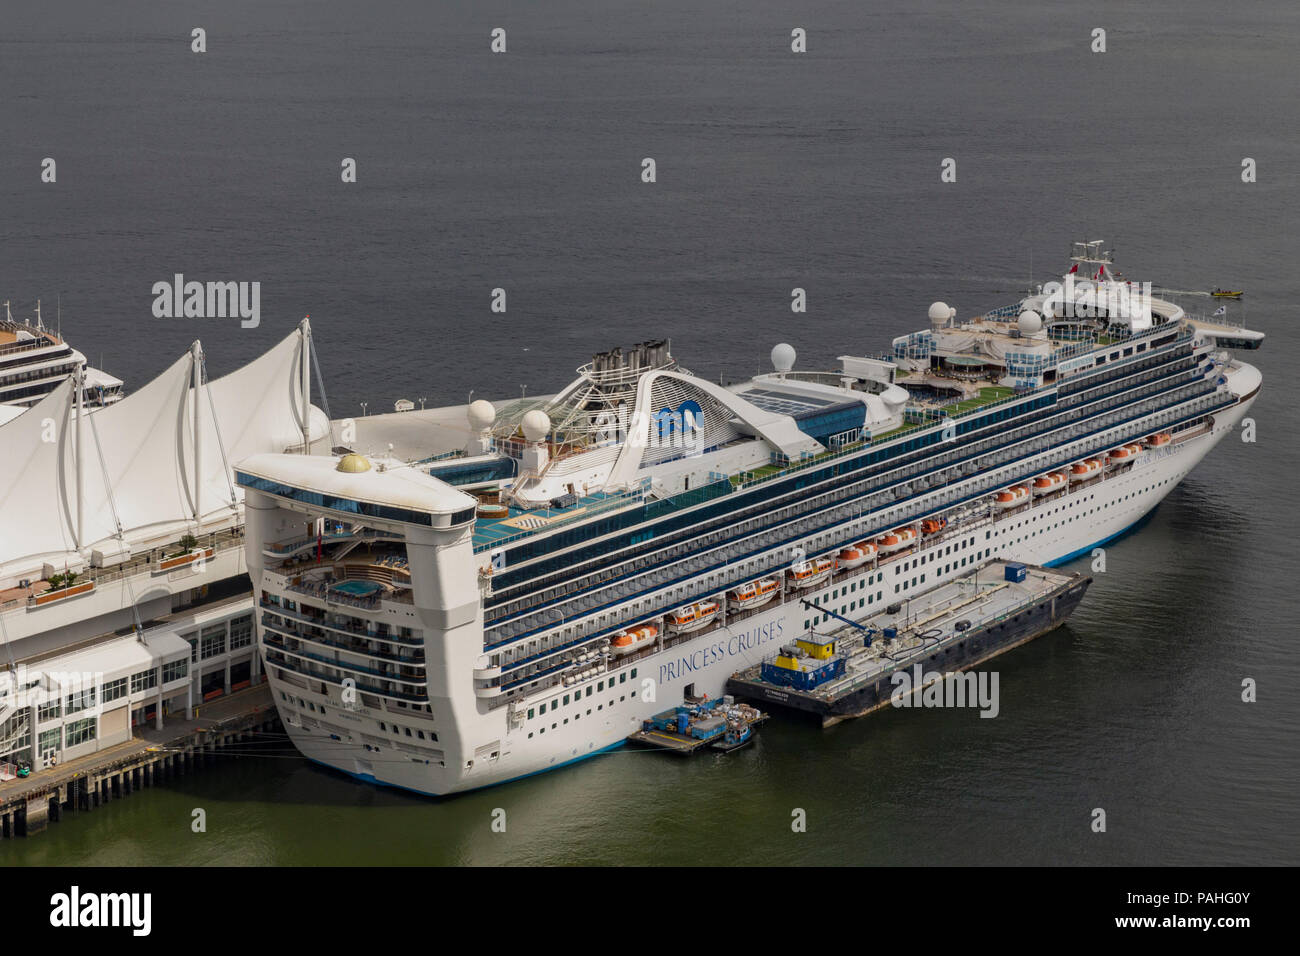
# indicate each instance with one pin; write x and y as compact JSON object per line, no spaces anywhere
{"x":634,"y":673}
{"x":530,"y":714}
{"x":566,"y":699}
{"x":622,"y":678}
{"x":588,"y":691}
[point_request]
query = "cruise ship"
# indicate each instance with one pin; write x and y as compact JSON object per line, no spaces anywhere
{"x":585,"y":560}
{"x":35,"y":360}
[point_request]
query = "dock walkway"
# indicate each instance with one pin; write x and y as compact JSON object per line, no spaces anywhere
{"x":29,"y":804}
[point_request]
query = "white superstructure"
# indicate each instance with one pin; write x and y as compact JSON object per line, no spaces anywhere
{"x":528,"y":599}
{"x":35,"y":360}
{"x":121,"y":549}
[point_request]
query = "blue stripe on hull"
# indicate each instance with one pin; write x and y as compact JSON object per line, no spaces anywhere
{"x":371,"y":779}
{"x":1096,"y":544}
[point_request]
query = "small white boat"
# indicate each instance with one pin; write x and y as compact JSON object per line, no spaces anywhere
{"x":806,"y":574}
{"x":856,"y":555}
{"x":1011,"y":497}
{"x":896,"y":540}
{"x":624,"y":642}
{"x":1046,"y":484}
{"x":692,"y":617}
{"x":1083,"y":470}
{"x":754,"y":594}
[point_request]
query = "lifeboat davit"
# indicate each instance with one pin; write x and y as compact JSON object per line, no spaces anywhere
{"x":627,"y":641}
{"x":1160,"y":438}
{"x":692,"y":617}
{"x":1046,"y":484}
{"x":1015,"y":495}
{"x":754,"y":594}
{"x":896,"y":540}
{"x":933,"y":525}
{"x":856,"y":555}
{"x":1083,"y":470}
{"x":805,"y":574}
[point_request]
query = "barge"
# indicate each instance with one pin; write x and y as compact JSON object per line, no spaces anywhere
{"x":855,"y":667}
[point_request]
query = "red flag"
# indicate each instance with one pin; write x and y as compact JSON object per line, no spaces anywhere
{"x":1074,"y":269}
{"x":318,"y":545}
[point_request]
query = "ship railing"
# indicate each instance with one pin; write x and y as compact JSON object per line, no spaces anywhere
{"x":18,"y":347}
{"x":982,"y":516}
{"x":873,"y":673}
{"x":140,"y":565}
{"x":273,"y":652}
{"x":944,"y":498}
{"x":895,"y":475}
{"x":609,"y":503}
{"x":386,"y":636}
{"x":1230,"y":321}
{"x":347,"y":640}
{"x":280,"y":644}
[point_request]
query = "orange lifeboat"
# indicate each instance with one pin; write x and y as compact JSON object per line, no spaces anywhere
{"x":754,"y":594}
{"x":1015,"y":495}
{"x":1123,"y":453}
{"x":1052,"y":481}
{"x":625,"y":642}
{"x":856,"y":555}
{"x":1160,"y":438}
{"x":896,"y":540}
{"x":1083,"y":470}
{"x":805,"y":574}
{"x":692,"y":617}
{"x":933,"y":525}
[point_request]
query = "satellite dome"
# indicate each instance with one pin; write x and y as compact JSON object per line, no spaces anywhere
{"x":536,"y":425}
{"x":783,"y":357}
{"x":1029,"y":323}
{"x":353,"y":464}
{"x":940,"y":312}
{"x":481,"y":414}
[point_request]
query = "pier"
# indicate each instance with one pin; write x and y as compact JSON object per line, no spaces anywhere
{"x":29,"y":804}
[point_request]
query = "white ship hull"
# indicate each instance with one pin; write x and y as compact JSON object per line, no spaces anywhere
{"x":1046,"y":531}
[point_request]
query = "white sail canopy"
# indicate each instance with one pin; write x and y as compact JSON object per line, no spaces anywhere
{"x":139,"y":467}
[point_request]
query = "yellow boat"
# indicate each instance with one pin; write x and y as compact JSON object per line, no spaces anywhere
{"x":1225,"y":294}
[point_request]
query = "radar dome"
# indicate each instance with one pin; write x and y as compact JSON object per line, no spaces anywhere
{"x":352,"y":464}
{"x":536,"y":425}
{"x":1029,"y":323}
{"x":481,"y":414}
{"x":783,"y":357}
{"x":940,"y":312}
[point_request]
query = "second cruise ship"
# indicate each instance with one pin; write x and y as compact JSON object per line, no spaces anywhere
{"x":588,"y":559}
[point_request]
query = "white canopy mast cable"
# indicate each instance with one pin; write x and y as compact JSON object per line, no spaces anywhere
{"x":221,"y":444}
{"x":304,"y":352}
{"x":320,"y":384}
{"x":121,"y":532}
{"x":196,"y":360}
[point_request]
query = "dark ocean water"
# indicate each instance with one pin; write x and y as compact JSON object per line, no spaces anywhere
{"x":774,"y":170}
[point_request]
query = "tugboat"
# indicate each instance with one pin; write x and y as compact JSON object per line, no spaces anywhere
{"x":737,"y":735}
